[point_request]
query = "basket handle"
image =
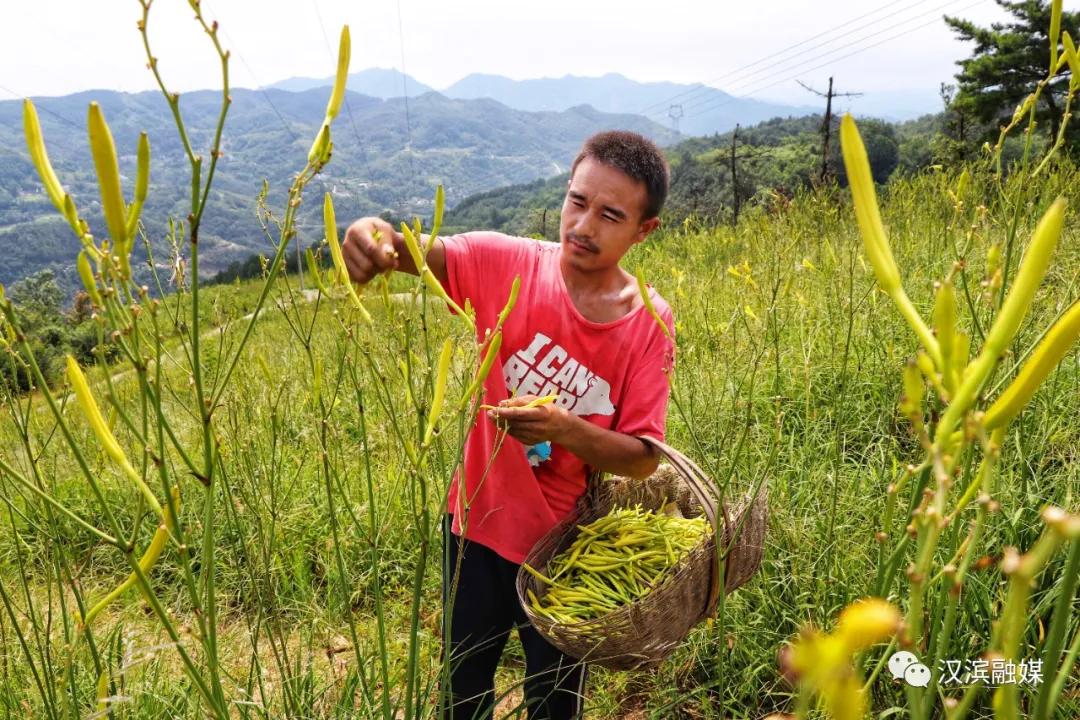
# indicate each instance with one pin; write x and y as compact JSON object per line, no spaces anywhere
{"x":701,"y":487}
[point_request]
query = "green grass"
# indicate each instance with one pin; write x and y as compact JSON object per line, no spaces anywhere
{"x":791,"y":376}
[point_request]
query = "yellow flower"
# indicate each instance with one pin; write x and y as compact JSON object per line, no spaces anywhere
{"x":867,"y":622}
{"x":823,"y":662}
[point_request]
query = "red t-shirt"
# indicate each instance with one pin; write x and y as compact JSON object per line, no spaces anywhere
{"x":612,"y":374}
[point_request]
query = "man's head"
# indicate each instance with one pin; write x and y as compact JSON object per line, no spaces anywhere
{"x":637,"y":157}
{"x":618,"y":184}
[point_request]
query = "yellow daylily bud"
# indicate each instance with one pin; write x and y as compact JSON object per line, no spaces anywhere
{"x":35,"y":143}
{"x":867,"y":622}
{"x":142,"y":186}
{"x":264,"y":367}
{"x":314,"y":270}
{"x":330,"y":229}
{"x":413,"y":246}
{"x":321,"y":148}
{"x":441,"y":376}
{"x":96,"y":421}
{"x":108,"y":173}
{"x":412,"y":237}
{"x":86,"y":273}
{"x":103,"y":691}
{"x":342,"y":273}
{"x":146,"y":562}
{"x":1023,"y":108}
{"x":342,"y":77}
{"x":944,"y":317}
{"x":1055,"y":32}
{"x":962,"y":183}
{"x":993,"y":258}
{"x":911,"y":402}
{"x":866,"y":206}
{"x":1033,"y":268}
{"x":1071,"y":58}
{"x":1064,"y":524}
{"x":643,"y":290}
{"x":436,"y":287}
{"x":926,"y":365}
{"x":485,"y":367}
{"x":515,"y":288}
{"x":437,"y":218}
{"x":1044,"y":359}
{"x":875,"y":241}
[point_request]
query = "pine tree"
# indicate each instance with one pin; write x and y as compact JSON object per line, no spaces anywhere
{"x":1008,"y":61}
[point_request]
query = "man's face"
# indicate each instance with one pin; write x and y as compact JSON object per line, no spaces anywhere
{"x":602,"y":216}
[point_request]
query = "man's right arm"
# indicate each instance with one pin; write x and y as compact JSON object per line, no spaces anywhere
{"x":372,"y":246}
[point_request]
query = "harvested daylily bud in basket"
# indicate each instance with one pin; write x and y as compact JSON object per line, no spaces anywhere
{"x":613,"y":562}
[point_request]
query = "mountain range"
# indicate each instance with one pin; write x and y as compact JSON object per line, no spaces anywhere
{"x":389,"y":156}
{"x":705,"y":110}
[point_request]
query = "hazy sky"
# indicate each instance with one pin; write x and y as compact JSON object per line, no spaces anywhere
{"x":51,"y":47}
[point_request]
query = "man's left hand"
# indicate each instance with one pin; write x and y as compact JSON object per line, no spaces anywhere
{"x":532,"y":425}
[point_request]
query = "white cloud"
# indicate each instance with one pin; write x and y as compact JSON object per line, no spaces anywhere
{"x":60,"y":46}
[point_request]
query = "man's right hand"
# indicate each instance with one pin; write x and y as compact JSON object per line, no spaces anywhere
{"x":370,"y":248}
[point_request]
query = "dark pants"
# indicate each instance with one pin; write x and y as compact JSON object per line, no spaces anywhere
{"x":484,"y":611}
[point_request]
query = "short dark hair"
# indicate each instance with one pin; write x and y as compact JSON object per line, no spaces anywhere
{"x":637,"y":157}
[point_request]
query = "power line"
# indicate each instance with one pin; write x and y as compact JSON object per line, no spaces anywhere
{"x":747,"y":80}
{"x":262,"y":91}
{"x":44,"y":109}
{"x":778,"y":56}
{"x":754,"y":77}
{"x":935,"y":17}
{"x":405,"y":88}
{"x":706,"y":107}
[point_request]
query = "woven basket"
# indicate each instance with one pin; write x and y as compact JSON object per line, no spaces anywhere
{"x":643,"y":633}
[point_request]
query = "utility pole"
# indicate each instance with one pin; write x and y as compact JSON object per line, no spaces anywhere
{"x":826,"y":127}
{"x":675,"y":112}
{"x":734,"y":178}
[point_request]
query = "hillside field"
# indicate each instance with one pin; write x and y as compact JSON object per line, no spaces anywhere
{"x":325,"y":538}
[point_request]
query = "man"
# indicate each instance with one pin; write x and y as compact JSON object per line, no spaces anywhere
{"x":579,"y":331}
